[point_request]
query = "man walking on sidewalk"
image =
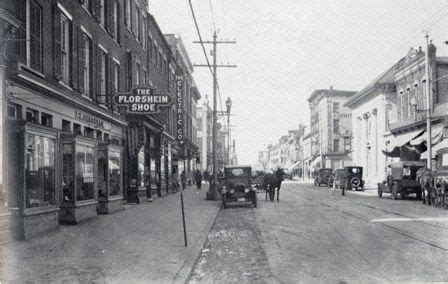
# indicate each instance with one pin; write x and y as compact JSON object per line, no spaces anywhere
{"x":198,"y":179}
{"x":183,"y":179}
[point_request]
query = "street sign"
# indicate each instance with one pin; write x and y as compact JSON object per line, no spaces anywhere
{"x":143,"y":100}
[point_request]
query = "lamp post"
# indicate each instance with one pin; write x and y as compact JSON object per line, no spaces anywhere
{"x":228,"y":106}
{"x":413,"y":102}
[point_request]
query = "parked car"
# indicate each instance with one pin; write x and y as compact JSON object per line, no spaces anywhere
{"x":236,"y":186}
{"x":402,"y":179}
{"x":323,"y":177}
{"x":351,"y":178}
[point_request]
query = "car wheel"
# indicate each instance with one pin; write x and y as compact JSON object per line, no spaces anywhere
{"x":434,"y":201}
{"x":255,"y":201}
{"x":380,"y":192}
{"x":395,"y":190}
{"x":444,"y":205}
{"x":418,"y":195}
{"x":343,"y":191}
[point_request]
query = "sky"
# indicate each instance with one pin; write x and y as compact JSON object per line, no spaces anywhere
{"x":288,"y":48}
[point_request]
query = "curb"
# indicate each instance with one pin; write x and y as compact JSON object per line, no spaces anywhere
{"x":185,"y":272}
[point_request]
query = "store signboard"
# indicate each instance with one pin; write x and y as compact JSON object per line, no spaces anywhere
{"x":143,"y":100}
{"x":180,"y":110}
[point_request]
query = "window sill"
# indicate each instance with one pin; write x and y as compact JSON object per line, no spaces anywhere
{"x":28,"y":69}
{"x":65,"y":85}
{"x":87,"y":97}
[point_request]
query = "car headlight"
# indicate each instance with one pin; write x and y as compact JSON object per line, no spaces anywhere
{"x":246,"y":190}
{"x":223,"y":189}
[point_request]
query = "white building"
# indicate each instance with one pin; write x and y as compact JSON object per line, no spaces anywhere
{"x":372,"y":109}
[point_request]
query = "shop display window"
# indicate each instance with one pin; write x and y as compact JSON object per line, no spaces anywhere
{"x":114,"y":173}
{"x":141,"y":167}
{"x":67,"y":174}
{"x":84,"y":172}
{"x":39,"y":171}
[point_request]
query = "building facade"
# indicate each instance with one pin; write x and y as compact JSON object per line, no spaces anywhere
{"x":372,"y":109}
{"x":330,"y":128}
{"x":73,"y":153}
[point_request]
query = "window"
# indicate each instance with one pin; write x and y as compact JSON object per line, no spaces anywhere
{"x":77,"y":129}
{"x":336,"y":145}
{"x":137,"y":74}
{"x":84,"y":172}
{"x":66,"y":126}
{"x":46,"y":119}
{"x":102,"y":77}
{"x":144,"y":77}
{"x":127,"y":3}
{"x":335,"y":107}
{"x":115,"y":20}
{"x":65,"y":48}
{"x":32,"y":115}
{"x":35,"y":36}
{"x":137,"y":23}
{"x":116,"y":76}
{"x":336,"y":125}
{"x":88,"y":132}
{"x":13,"y":111}
{"x":102,"y":13}
{"x":114,"y":173}
{"x":129,"y":71}
{"x":40,"y":173}
{"x":106,"y":137}
{"x":99,"y":135}
{"x":143,"y":33}
{"x":87,"y":64}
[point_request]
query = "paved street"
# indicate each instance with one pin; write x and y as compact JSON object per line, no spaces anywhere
{"x":316,"y":234}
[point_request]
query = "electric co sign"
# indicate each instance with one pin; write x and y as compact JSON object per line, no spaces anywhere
{"x":143,"y":100}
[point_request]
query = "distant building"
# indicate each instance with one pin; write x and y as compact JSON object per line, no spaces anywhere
{"x":330,"y":128}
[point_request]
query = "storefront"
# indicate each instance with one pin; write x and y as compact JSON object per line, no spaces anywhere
{"x":56,"y":151}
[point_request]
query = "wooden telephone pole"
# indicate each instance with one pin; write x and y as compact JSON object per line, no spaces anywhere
{"x":215,"y":89}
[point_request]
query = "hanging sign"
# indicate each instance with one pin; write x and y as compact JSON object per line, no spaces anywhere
{"x":180,"y":111}
{"x":143,"y":100}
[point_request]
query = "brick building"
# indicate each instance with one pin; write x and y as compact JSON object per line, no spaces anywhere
{"x":72,"y":153}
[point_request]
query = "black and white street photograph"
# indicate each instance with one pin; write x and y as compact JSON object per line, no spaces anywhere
{"x":218,"y":141}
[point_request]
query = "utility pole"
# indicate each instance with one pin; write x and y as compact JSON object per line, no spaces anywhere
{"x":215,"y":89}
{"x":428,"y":103}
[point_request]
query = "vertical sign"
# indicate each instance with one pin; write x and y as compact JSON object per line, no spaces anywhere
{"x":180,"y":110}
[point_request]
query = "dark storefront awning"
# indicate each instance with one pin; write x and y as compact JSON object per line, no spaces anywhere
{"x":437,"y":134}
{"x":401,"y":147}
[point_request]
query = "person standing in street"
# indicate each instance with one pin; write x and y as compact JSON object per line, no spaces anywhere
{"x":198,"y":179}
{"x":206,"y":176}
{"x":183,"y":179}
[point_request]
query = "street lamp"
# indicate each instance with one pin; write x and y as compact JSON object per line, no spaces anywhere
{"x":228,"y":106}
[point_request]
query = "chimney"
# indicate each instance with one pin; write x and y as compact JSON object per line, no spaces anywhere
{"x":331,"y":88}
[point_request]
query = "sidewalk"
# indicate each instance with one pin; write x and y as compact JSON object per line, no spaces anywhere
{"x":140,"y":244}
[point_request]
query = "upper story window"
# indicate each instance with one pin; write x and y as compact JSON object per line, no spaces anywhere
{"x":336,"y":145}
{"x":87,"y":64}
{"x":103,"y":68}
{"x":336,"y":125}
{"x":137,"y":74}
{"x":116,"y":76}
{"x":102,"y":13}
{"x":115,"y":20}
{"x":65,"y":48}
{"x":145,"y":74}
{"x":127,"y":4}
{"x":143,"y":32}
{"x":335,"y":107}
{"x":30,"y":50}
{"x":137,"y":23}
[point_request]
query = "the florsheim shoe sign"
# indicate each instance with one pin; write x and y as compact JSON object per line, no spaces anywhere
{"x":143,"y":100}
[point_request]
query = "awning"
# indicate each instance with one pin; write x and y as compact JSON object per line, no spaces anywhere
{"x":437,"y":134}
{"x":295,"y":166}
{"x":402,"y":139}
{"x":438,"y":146}
{"x":316,"y":163}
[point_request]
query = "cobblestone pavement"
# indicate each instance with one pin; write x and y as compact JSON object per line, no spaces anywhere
{"x":233,"y":251}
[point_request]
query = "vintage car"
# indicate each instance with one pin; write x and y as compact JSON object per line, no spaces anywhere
{"x":236,"y":186}
{"x":323,"y":177}
{"x":349,"y":178}
{"x":441,"y":182}
{"x":402,"y":179}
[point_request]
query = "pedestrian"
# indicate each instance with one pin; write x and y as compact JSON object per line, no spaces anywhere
{"x":175,"y":180}
{"x":206,"y":176}
{"x":183,"y":179}
{"x":198,"y":178}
